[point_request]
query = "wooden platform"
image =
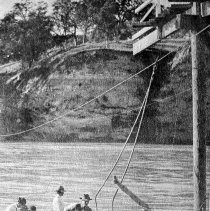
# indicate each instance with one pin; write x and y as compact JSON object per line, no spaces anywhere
{"x":170,"y":16}
{"x":169,"y":45}
{"x":144,"y":40}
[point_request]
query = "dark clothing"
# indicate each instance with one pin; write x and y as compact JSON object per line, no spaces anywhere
{"x":86,"y":208}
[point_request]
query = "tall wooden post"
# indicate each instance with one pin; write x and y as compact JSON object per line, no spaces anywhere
{"x":199,"y":118}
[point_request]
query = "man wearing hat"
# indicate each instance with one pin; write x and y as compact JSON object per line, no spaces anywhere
{"x":19,"y":206}
{"x":32,"y":208}
{"x":58,"y":204}
{"x":85,"y":201}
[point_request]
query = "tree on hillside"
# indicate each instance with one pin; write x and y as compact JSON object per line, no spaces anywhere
{"x":26,"y":31}
{"x":64,"y":19}
{"x":96,"y":18}
{"x":5,"y":36}
{"x":125,"y":14}
{"x":106,"y":18}
{"x":85,"y":16}
{"x":22,"y":10}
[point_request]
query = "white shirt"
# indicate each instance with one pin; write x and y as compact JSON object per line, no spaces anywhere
{"x":12,"y":207}
{"x":58,"y":203}
{"x":70,"y":207}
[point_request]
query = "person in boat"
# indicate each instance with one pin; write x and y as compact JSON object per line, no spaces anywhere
{"x":73,"y":207}
{"x":58,"y":204}
{"x":19,"y":206}
{"x":32,"y":208}
{"x":85,"y":202}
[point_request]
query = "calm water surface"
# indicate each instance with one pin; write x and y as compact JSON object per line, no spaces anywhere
{"x":159,"y":175}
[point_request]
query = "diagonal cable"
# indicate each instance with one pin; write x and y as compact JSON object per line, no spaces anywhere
{"x":137,"y":134}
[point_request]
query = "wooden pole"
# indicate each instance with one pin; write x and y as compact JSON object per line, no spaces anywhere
{"x":132,"y":195}
{"x":208,"y":202}
{"x":199,"y":118}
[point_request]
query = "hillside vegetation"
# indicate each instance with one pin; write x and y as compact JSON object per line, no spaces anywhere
{"x":50,"y":77}
{"x":55,"y":87}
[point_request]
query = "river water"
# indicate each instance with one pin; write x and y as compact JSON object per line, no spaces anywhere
{"x":160,"y":175}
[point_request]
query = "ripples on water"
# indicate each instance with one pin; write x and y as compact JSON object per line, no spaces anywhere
{"x":159,"y":175}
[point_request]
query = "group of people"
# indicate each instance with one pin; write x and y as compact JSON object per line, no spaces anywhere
{"x":57,"y":204}
{"x":20,"y":206}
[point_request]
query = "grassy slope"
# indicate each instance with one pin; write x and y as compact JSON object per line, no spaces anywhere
{"x":65,"y":79}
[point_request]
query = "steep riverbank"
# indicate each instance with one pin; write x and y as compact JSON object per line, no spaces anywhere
{"x":50,"y":97}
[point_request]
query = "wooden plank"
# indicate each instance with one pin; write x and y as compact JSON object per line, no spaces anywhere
{"x":205,"y":9}
{"x":147,"y":13}
{"x":142,"y":6}
{"x":195,"y":10}
{"x":181,"y":6}
{"x":150,"y":39}
{"x":145,"y":42}
{"x":166,"y":3}
{"x":131,"y":195}
{"x":170,"y":45}
{"x":142,"y":32}
{"x":171,"y":26}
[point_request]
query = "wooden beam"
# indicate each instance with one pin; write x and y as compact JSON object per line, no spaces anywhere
{"x":145,"y":42}
{"x":142,"y":6}
{"x":141,"y":32}
{"x":131,"y":195}
{"x":150,"y":39}
{"x":180,"y":7}
{"x":166,"y":3}
{"x":171,"y":26}
{"x":195,"y":10}
{"x":170,"y":45}
{"x":205,"y":9}
{"x":147,"y":13}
